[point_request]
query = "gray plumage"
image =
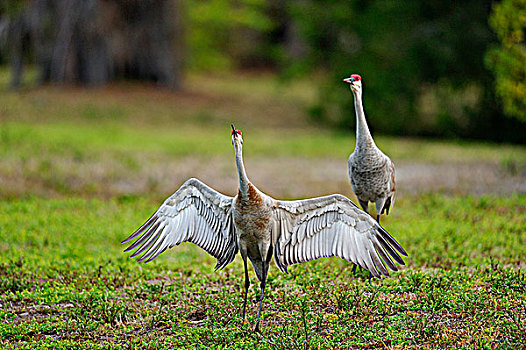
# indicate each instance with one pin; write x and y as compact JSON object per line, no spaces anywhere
{"x":260,"y":227}
{"x":371,"y":172}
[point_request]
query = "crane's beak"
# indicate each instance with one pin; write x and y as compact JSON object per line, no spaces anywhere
{"x":234,"y":131}
{"x":349,"y":80}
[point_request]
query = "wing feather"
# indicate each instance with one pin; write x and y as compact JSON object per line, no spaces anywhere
{"x":154,"y":247}
{"x":178,"y":229}
{"x":359,"y":252}
{"x":390,"y":249}
{"x":143,"y":238}
{"x":151,"y":243}
{"x":317,"y":246}
{"x":333,"y":226}
{"x":194,"y":213}
{"x":385,"y":257}
{"x":141,"y":229}
{"x":162,"y":248}
{"x":151,"y":237}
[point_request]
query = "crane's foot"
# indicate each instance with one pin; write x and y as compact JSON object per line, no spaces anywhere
{"x":256,"y":329}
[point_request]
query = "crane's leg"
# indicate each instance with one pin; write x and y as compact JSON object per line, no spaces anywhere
{"x":265,"y":271}
{"x":379,"y":207}
{"x":364,"y":205}
{"x":247,"y":284}
{"x":387,"y":206}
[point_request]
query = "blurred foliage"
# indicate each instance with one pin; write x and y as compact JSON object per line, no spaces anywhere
{"x":508,"y":60}
{"x":422,"y":65}
{"x":221,"y":32}
{"x":427,"y":66}
{"x":12,"y":6}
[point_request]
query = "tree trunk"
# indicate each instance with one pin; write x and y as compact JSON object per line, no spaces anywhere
{"x":95,"y":41}
{"x":16,"y":51}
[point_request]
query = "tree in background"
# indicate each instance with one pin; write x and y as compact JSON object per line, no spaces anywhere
{"x":508,"y":60}
{"x":227,"y":33}
{"x":422,"y":63}
{"x":95,"y":41}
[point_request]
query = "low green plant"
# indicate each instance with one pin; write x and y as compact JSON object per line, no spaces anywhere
{"x":64,"y":282}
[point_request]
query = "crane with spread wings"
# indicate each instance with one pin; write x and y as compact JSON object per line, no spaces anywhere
{"x":261,"y":227}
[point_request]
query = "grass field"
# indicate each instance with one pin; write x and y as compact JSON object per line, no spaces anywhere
{"x":81,"y":169}
{"x":64,"y":281}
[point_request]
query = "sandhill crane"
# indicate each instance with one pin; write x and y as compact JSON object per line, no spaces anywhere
{"x":261,"y":227}
{"x":372,"y":173}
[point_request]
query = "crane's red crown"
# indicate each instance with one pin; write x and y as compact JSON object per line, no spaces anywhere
{"x":237,"y":131}
{"x":355,"y":77}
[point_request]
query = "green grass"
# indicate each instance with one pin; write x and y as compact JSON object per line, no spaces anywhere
{"x":52,"y":139}
{"x":134,"y":118}
{"x":64,"y":282}
{"x":60,"y":157}
{"x":93,"y":139}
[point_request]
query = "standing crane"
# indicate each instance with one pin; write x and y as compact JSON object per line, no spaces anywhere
{"x":372,"y":173}
{"x":260,"y":227}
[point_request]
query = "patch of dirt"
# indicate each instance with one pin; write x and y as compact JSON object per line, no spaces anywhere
{"x":287,"y":177}
{"x":476,"y":179}
{"x":36,"y":312}
{"x":196,"y":315}
{"x":280,"y":177}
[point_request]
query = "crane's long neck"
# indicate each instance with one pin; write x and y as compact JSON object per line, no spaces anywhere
{"x":363,"y":135}
{"x":243,"y":179}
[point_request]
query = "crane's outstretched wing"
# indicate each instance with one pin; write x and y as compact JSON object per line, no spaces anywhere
{"x":333,"y":225}
{"x":195,"y":213}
